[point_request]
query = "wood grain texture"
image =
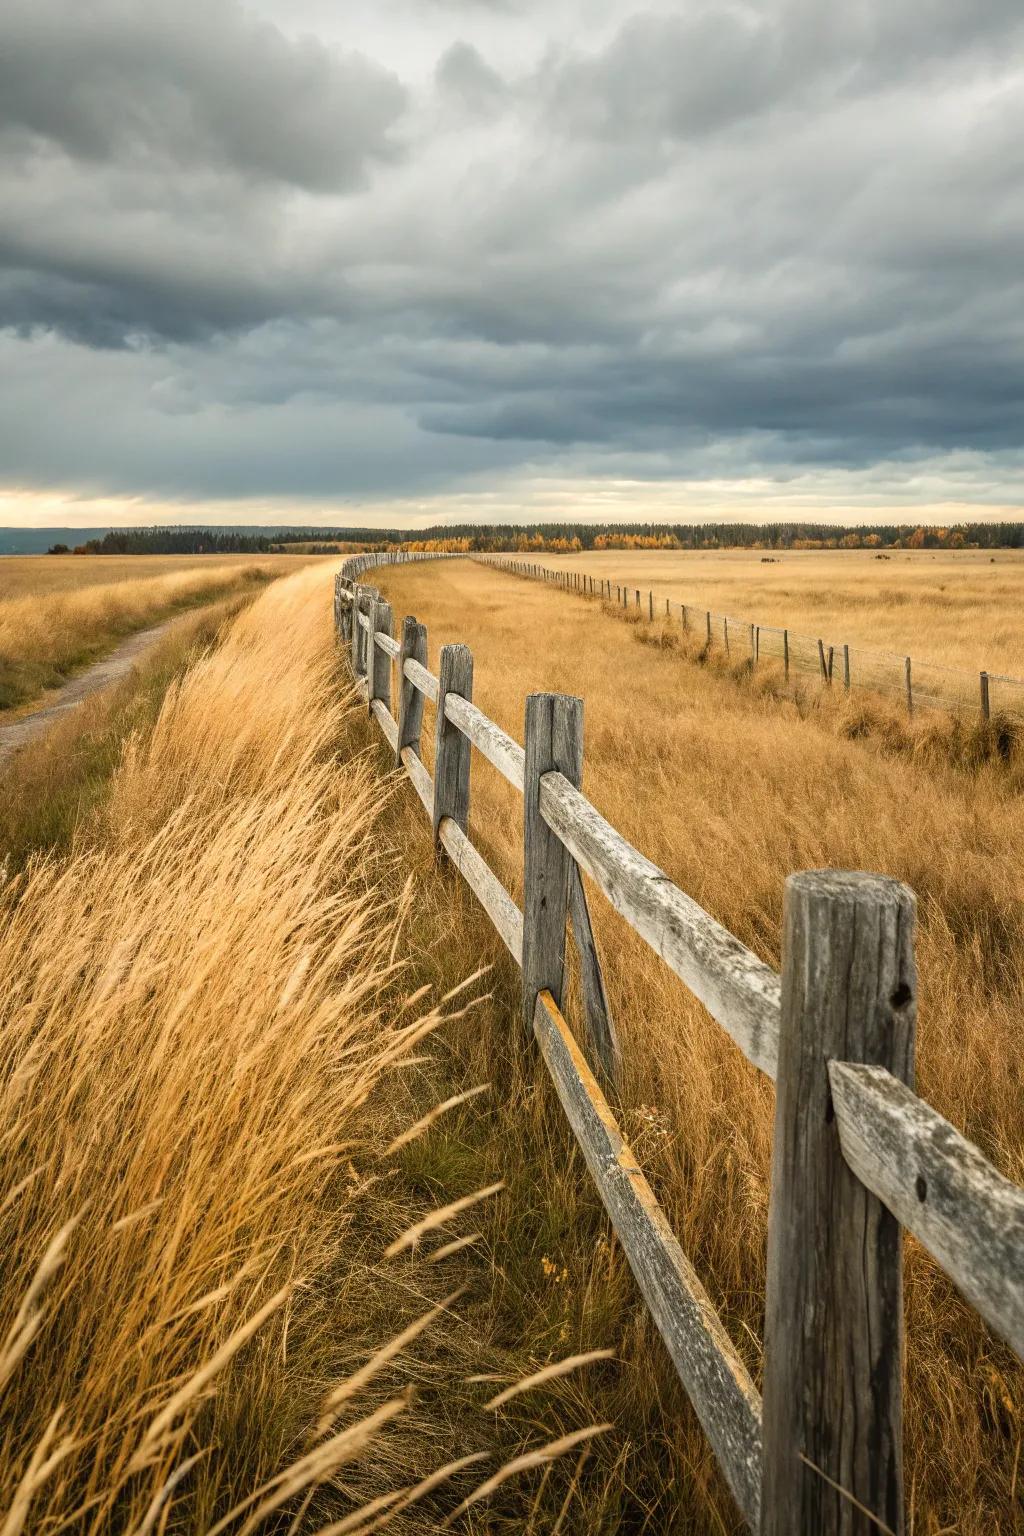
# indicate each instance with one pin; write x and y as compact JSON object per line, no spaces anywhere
{"x":485,"y":885}
{"x":451,"y":748}
{"x":554,"y":741}
{"x":941,"y":1188}
{"x":357,"y":632}
{"x":601,"y":1032}
{"x":420,"y":678}
{"x":737,"y":988}
{"x":388,"y":645}
{"x":719,"y":1386}
{"x":834,"y":1303}
{"x":422,"y":783}
{"x":413,"y":647}
{"x":378,"y":669}
{"x":386,"y":721}
{"x":495,"y":744}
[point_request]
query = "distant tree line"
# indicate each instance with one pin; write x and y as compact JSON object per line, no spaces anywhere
{"x":553,"y":538}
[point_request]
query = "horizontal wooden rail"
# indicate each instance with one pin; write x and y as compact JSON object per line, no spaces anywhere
{"x":736,"y":988}
{"x":421,"y":780}
{"x":720,"y":1388}
{"x":485,"y":885}
{"x":939,"y":1186}
{"x":420,"y":678}
{"x":386,"y":721}
{"x":387,"y":644}
{"x":495,"y":744}
{"x":856,"y":1153}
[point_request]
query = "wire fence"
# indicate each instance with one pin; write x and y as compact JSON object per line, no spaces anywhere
{"x":835,"y":663}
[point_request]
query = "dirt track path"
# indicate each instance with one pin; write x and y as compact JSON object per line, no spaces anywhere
{"x":109,"y":669}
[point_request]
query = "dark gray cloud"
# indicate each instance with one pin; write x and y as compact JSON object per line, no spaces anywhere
{"x":199,"y":84}
{"x":738,"y":241}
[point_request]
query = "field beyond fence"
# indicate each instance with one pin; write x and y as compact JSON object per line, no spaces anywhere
{"x":837,"y":663}
{"x":858,"y":1156}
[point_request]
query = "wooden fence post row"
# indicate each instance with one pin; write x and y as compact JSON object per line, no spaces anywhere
{"x":601,"y":587}
{"x":821,"y":1452}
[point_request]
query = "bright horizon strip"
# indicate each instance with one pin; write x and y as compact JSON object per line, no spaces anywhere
{"x":540,"y":501}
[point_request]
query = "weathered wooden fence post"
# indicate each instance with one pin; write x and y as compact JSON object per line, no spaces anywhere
{"x":554,"y":741}
{"x":358,"y":601}
{"x":378,"y":662}
{"x":986,"y":710}
{"x":785,"y":651}
{"x":846,"y":667}
{"x":451,"y":748}
{"x":908,"y":681}
{"x":834,"y":1305}
{"x":410,"y":699}
{"x":708,"y":617}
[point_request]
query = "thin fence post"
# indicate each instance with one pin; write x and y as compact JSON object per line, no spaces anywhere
{"x":709,"y":628}
{"x":451,"y":748}
{"x":985,"y":708}
{"x":821,"y":662}
{"x":650,"y":606}
{"x":725,"y":630}
{"x":410,"y":700}
{"x":668,"y":610}
{"x":753,"y":645}
{"x":378,"y":664}
{"x":686,"y":622}
{"x":909,"y":685}
{"x":554,"y":742}
{"x":846,"y":667}
{"x":834,"y":1306}
{"x":357,"y":631}
{"x":785,"y":652}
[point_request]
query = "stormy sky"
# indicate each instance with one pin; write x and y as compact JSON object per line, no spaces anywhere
{"x":464,"y":259}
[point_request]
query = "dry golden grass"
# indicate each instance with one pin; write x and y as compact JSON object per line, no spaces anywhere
{"x":42,"y":575}
{"x":58,"y":613}
{"x":730,"y":788}
{"x":49,"y":786}
{"x":960,"y":609}
{"x":220,"y":1110}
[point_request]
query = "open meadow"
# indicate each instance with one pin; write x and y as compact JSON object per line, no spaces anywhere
{"x":293,"y":1227}
{"x":729,"y":788}
{"x":59,"y":612}
{"x":955,"y":608}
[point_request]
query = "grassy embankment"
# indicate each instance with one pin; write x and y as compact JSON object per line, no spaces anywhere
{"x":201,"y":1001}
{"x":59,"y":613}
{"x":730,"y":788}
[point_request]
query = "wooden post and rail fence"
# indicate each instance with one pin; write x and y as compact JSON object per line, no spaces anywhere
{"x":857,"y":1155}
{"x":817,"y":655}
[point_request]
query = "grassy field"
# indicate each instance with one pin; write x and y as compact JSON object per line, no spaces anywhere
{"x":233,"y":980}
{"x":228,"y":1301}
{"x":58,"y":613}
{"x":960,"y":609}
{"x":730,"y":788}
